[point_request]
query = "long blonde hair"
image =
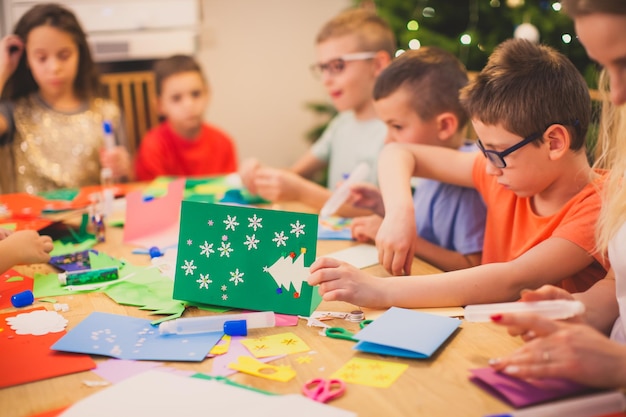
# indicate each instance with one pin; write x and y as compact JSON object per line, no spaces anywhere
{"x":611,"y":154}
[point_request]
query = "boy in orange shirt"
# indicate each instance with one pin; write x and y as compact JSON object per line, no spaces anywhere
{"x":352,"y":49}
{"x":531,"y":109}
{"x":183,"y":144}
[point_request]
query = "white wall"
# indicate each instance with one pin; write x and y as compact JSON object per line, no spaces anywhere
{"x":257,"y":55}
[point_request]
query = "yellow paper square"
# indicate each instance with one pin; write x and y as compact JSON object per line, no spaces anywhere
{"x":278,"y":344}
{"x":370,"y":372}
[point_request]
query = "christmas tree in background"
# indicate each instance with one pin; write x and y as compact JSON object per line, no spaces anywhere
{"x":471,"y":29}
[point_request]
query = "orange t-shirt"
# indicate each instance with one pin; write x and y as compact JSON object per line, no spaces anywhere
{"x":513,"y":228}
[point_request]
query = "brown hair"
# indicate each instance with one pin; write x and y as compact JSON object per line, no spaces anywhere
{"x":175,"y":64}
{"x":432,"y":76}
{"x":583,"y":7}
{"x":372,"y":31}
{"x":21,"y":83}
{"x":525,"y":87}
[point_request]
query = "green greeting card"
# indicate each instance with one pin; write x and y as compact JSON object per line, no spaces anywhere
{"x":246,"y":257}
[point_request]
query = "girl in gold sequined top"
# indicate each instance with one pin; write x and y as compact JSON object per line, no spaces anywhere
{"x":51,"y":113}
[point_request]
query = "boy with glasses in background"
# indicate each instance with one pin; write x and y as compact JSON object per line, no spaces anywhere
{"x":531,"y":109}
{"x":352,"y":49}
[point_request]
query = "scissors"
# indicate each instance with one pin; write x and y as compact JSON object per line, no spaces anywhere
{"x":323,"y":390}
{"x":341,"y":333}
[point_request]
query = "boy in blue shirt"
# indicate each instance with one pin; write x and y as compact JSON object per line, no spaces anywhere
{"x":417,"y":96}
{"x":352,"y":49}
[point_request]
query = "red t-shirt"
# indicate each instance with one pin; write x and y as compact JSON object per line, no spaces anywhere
{"x":163,"y":152}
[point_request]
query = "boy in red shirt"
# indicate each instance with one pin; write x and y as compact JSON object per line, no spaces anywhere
{"x":183,"y":144}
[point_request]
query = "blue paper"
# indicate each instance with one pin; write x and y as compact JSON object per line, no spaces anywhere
{"x":126,"y":337}
{"x":406,"y":333}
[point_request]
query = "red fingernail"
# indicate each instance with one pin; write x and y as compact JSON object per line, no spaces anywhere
{"x":496,"y":317}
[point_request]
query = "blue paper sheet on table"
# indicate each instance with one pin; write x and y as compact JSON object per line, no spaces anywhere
{"x":126,"y":337}
{"x":406,"y":333}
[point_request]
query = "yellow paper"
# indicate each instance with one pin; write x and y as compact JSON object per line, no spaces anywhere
{"x":254,"y":367}
{"x":275,"y":345}
{"x":222,"y":346}
{"x":370,"y":372}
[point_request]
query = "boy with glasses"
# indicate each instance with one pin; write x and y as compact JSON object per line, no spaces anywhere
{"x":352,"y":49}
{"x":417,"y":96}
{"x":541,"y":194}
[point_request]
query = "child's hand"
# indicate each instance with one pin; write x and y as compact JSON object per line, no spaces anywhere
{"x":367,"y":196}
{"x":339,"y":281}
{"x":118,"y":160}
{"x":247,"y":171}
{"x":277,"y":185}
{"x":365,"y":228}
{"x":28,"y":247}
{"x":546,"y":292}
{"x":396,"y":241}
{"x":563,"y":350}
{"x":11,"y":49}
{"x":4,"y":233}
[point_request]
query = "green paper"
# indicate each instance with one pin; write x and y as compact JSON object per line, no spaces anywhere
{"x":9,"y":226}
{"x":227,"y":381}
{"x":61,"y":248}
{"x":65,"y":194}
{"x":15,"y":278}
{"x":246,"y":257}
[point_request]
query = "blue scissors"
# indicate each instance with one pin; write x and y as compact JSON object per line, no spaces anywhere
{"x":323,"y":390}
{"x":341,"y":333}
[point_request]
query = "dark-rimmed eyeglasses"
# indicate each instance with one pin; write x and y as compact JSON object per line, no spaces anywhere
{"x":497,"y":158}
{"x":337,"y":65}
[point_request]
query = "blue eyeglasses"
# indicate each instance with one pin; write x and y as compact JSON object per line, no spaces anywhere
{"x":497,"y":158}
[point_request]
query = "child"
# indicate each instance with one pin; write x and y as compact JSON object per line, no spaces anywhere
{"x":352,"y":49}
{"x":183,"y":144}
{"x":531,"y":109}
{"x":417,"y":96}
{"x":51,"y":117}
{"x":23,"y":247}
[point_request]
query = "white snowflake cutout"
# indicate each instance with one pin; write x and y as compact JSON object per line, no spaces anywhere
{"x":223,"y":288}
{"x":189,"y":267}
{"x":236,"y":277}
{"x":207,"y":249}
{"x":280,"y":239}
{"x":251,"y":242}
{"x":189,"y":242}
{"x":231,"y":222}
{"x":204,"y":281}
{"x":255,"y":222}
{"x":224,"y":297}
{"x":297,"y":228}
{"x":225,"y":249}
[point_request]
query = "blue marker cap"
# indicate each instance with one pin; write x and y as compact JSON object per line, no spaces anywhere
{"x":236,"y":328}
{"x":22,"y":299}
{"x":108,"y":127}
{"x":155,"y":252}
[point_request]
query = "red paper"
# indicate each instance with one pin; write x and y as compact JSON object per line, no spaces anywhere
{"x":28,"y":358}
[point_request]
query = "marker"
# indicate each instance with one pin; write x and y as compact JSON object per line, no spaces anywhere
{"x":89,"y":276}
{"x":342,"y":193}
{"x":551,"y":309}
{"x":208,"y":324}
{"x":587,"y":406}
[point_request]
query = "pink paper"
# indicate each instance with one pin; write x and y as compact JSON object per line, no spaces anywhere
{"x":116,"y":370}
{"x":154,"y":222}
{"x":236,"y":349}
{"x":521,"y":393}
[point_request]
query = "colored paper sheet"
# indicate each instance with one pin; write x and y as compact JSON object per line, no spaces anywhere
{"x":11,"y":283}
{"x":116,"y":370}
{"x":522,"y":393}
{"x":235,"y":350}
{"x":161,"y":394}
{"x":373,"y":373}
{"x":154,"y":222}
{"x":360,"y":256}
{"x":247,"y":258}
{"x":28,"y":358}
{"x":334,"y":228}
{"x":406,"y":333}
{"x":133,"y":338}
{"x":277,"y":344}
{"x":76,"y":261}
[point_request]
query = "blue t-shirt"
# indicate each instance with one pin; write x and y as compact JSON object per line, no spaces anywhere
{"x":450,"y":216}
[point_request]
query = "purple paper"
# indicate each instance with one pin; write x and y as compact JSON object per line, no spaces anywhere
{"x":521,"y":393}
{"x":116,"y":370}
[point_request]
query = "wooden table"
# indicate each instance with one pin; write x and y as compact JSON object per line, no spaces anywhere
{"x":435,"y":387}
